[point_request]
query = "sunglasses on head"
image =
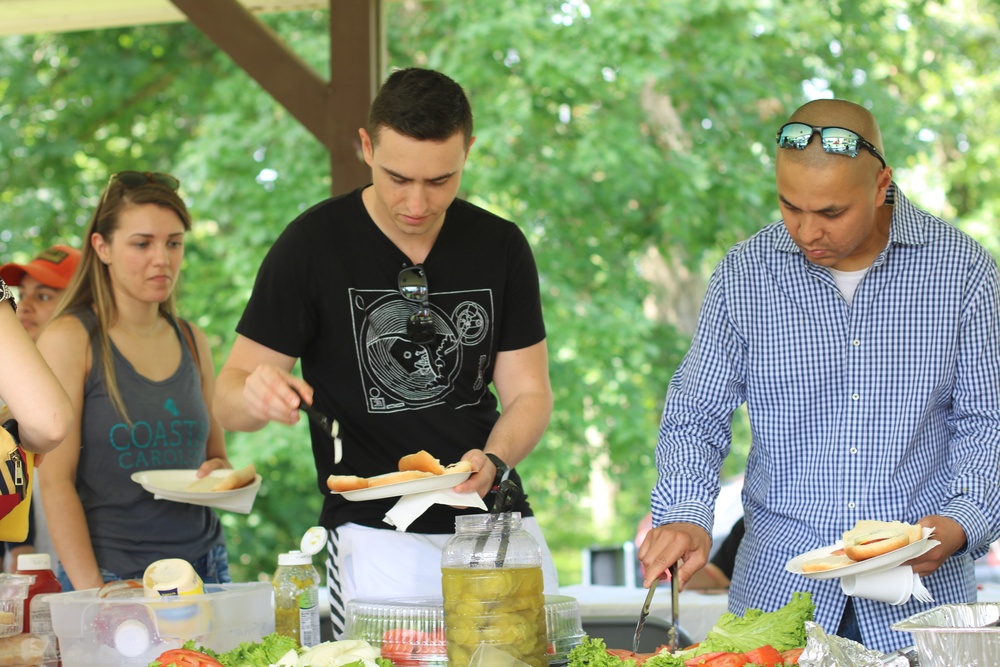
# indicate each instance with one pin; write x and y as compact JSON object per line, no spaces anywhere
{"x":836,"y":140}
{"x":133,"y":179}
{"x":412,"y":283}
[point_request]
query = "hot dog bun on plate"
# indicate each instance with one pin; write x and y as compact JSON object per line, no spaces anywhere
{"x":826,"y":563}
{"x":237,"y":479}
{"x":421,"y":461}
{"x":411,"y":466}
{"x":866,"y":540}
{"x":869,"y":538}
{"x":341,"y":483}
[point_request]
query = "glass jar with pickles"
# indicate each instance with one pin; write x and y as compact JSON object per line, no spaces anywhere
{"x":491,"y":579}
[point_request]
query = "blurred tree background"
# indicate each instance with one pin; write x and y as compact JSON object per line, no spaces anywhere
{"x":631,"y":139}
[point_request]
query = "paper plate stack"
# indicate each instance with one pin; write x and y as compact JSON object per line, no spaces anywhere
{"x":181,"y":486}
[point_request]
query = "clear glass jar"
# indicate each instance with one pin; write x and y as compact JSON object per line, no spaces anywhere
{"x":296,"y":598}
{"x":491,"y":578}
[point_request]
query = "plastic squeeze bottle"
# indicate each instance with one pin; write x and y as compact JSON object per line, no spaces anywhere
{"x":37,"y":611}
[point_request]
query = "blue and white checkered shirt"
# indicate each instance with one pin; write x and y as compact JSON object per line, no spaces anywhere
{"x":887,"y":409}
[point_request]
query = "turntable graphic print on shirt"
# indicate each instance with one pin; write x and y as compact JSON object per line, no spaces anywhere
{"x":399,"y":375}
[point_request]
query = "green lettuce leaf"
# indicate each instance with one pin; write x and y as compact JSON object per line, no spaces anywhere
{"x":593,"y":653}
{"x":258,"y":654}
{"x":783,"y":628}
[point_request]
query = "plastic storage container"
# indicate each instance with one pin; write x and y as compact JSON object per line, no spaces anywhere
{"x":13,"y":591}
{"x":953,"y":634}
{"x":134,"y":631}
{"x":491,"y":580}
{"x":37,"y":614}
{"x":410,"y":631}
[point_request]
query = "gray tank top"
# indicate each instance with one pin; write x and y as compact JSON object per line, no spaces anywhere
{"x":169,"y":430}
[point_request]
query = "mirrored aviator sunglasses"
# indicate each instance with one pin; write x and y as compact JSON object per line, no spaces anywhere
{"x":412,"y":284}
{"x":835,"y":140}
{"x":133,"y":179}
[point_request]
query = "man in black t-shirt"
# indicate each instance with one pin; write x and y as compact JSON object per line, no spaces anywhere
{"x":405,"y":305}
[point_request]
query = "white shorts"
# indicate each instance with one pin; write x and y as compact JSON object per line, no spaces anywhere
{"x":374,"y":563}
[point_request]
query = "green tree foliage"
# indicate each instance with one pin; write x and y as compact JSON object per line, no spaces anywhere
{"x":631,"y":139}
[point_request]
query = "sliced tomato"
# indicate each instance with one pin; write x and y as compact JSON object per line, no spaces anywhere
{"x":791,"y":656}
{"x":701,"y":659}
{"x":622,"y":653}
{"x":182,"y":657}
{"x":401,"y":636}
{"x":765,"y":655}
{"x":399,"y":645}
{"x":727,"y":660}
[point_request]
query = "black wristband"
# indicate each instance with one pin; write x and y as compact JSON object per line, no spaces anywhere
{"x":503,"y":471}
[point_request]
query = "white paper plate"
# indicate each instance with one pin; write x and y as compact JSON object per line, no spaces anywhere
{"x":877,"y":564}
{"x":446,"y":481}
{"x":173,"y":484}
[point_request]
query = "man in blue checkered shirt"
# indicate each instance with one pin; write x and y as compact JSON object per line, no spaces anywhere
{"x":862,"y":334}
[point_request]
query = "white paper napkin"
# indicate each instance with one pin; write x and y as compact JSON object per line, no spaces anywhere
{"x":408,"y":508}
{"x":895,"y":585}
{"x":239,"y":501}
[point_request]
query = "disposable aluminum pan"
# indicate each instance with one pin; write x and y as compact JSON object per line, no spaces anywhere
{"x":954,"y":634}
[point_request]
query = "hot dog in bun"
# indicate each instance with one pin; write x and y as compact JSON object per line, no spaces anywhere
{"x":869,"y":539}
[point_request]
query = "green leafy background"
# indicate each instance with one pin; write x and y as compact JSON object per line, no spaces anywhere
{"x":632,"y":140}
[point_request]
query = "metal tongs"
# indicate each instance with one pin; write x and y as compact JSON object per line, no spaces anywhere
{"x":508,"y":495}
{"x":330,"y":427}
{"x":644,"y":612}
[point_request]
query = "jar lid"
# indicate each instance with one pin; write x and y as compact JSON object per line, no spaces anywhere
{"x":295,"y":558}
{"x":39,"y":561}
{"x":314,"y":540}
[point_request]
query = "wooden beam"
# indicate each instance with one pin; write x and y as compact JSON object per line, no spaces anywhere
{"x":356,"y":46}
{"x":262,"y":54}
{"x":332,"y":111}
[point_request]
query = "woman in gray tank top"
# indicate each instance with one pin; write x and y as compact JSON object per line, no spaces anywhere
{"x":141,"y":382}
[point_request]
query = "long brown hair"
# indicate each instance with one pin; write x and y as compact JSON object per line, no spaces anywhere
{"x":91,"y":284}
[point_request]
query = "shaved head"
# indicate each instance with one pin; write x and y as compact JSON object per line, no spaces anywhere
{"x":838,"y":113}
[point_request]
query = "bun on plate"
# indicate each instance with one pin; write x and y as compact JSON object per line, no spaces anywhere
{"x":830,"y":562}
{"x":341,"y":483}
{"x":869,"y":538}
{"x":461,"y":466}
{"x":396,"y":477}
{"x":411,"y":466}
{"x":421,"y":461}
{"x":237,"y":479}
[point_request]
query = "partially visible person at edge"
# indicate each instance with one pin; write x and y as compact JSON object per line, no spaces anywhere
{"x":141,"y":381}
{"x":31,"y":392}
{"x":40,"y":284}
{"x":862,"y":333}
{"x":329,"y":293}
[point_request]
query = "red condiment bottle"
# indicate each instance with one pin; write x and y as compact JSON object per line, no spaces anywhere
{"x":37,"y":614}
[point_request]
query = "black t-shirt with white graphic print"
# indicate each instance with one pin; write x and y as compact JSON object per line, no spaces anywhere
{"x":327,"y":293}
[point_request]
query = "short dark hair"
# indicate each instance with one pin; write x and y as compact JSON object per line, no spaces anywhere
{"x":422,"y":104}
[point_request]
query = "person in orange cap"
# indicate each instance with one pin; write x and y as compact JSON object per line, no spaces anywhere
{"x":41,"y":282}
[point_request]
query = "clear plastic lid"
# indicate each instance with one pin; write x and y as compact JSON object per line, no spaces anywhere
{"x":411,"y":631}
{"x":39,"y":561}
